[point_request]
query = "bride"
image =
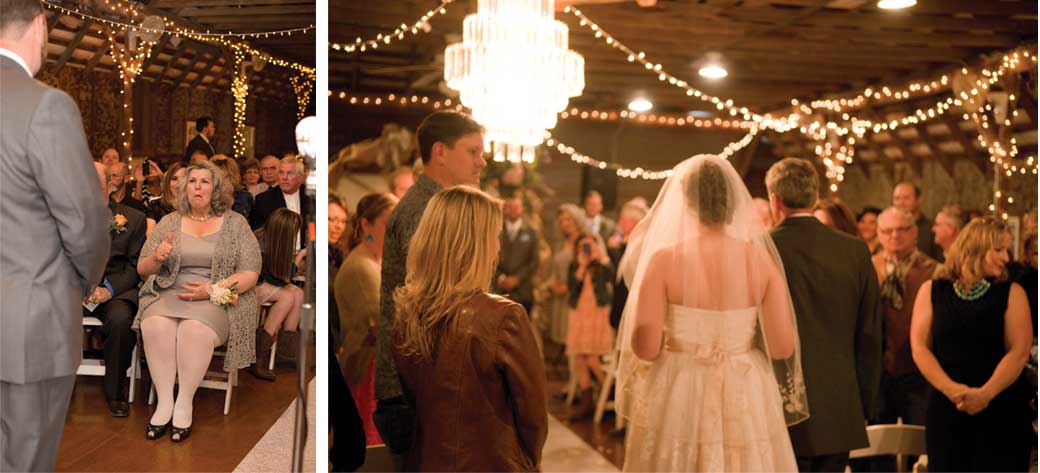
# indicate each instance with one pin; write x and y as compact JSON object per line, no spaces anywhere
{"x":709,"y":373}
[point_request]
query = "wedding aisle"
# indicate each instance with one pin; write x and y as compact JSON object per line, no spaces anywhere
{"x":565,"y":451}
{"x":274,"y":451}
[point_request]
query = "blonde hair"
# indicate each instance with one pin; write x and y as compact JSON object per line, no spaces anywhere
{"x":451,"y":257}
{"x":966,"y":258}
{"x":230,"y":169}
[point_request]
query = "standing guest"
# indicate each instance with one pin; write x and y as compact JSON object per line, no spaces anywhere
{"x":275,"y":286}
{"x":833,"y":213}
{"x":971,"y":337}
{"x":203,"y":141}
{"x":514,"y":277}
{"x":251,"y":177}
{"x":631,"y":213}
{"x":109,"y":157}
{"x":356,"y":288}
{"x":463,"y":353}
{"x":451,"y":146}
{"x":835,"y":293}
{"x":157,"y":209}
{"x":599,"y":224}
{"x":570,"y":220}
{"x":907,"y":196}
{"x":269,"y":166}
{"x":242,"y":200}
{"x":902,"y":269}
{"x":118,"y":185}
{"x":948,"y":224}
{"x":401,"y":180}
{"x":590,"y":284}
{"x":201,"y":245}
{"x":53,"y":246}
{"x":114,"y":300}
{"x":1024,"y":271}
{"x":866,"y":222}
{"x":338,"y":216}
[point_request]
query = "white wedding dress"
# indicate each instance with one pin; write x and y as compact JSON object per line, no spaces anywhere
{"x":710,"y":401}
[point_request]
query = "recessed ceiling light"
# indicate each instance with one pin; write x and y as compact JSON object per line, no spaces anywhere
{"x":640,"y":105}
{"x":700,"y":114}
{"x":895,"y":4}
{"x":713,"y":71}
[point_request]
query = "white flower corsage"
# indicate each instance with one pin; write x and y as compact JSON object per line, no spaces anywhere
{"x":223,"y":295}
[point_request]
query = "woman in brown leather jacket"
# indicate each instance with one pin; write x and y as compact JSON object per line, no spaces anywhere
{"x":467,"y":359}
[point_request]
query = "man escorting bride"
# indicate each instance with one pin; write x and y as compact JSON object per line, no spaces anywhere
{"x":709,"y":373}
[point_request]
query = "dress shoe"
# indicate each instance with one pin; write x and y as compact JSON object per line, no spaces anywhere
{"x":118,"y":408}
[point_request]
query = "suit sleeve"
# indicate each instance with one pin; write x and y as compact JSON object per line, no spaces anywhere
{"x":869,"y":337}
{"x":388,"y":384}
{"x":256,"y":217}
{"x":128,"y":278}
{"x":530,"y":259}
{"x":65,"y":173}
{"x":523,"y":371}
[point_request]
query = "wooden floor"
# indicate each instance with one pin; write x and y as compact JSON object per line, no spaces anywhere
{"x":95,"y":441}
{"x":596,"y":435}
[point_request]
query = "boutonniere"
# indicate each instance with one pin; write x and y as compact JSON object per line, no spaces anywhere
{"x":118,"y":224}
{"x":524,"y":237}
{"x":222,"y":296}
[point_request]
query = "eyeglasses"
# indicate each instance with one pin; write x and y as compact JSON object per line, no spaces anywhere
{"x":889,"y":231}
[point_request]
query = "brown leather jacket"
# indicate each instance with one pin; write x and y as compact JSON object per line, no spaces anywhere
{"x":481,"y":401}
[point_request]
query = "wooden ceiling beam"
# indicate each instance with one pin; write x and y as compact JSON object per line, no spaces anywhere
{"x":175,"y":60}
{"x":73,"y":44}
{"x":205,"y":71}
{"x":158,"y":49}
{"x":246,"y":11}
{"x":953,"y":124}
{"x":189,"y":69}
{"x":98,"y":54}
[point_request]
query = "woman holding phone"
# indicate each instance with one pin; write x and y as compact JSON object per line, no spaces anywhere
{"x":590,"y":282}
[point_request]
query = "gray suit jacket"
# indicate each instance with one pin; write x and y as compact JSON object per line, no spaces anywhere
{"x":54,"y":225}
{"x":518,"y":258}
{"x":835,"y":293}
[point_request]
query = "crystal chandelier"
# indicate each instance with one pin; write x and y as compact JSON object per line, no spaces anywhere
{"x":513,"y":69}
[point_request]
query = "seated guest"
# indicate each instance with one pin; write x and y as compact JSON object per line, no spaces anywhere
{"x":834,"y":214}
{"x":268,"y":173}
{"x":202,"y":142}
{"x":251,"y":177}
{"x":866,"y":222}
{"x":463,"y":353}
{"x":116,"y":297}
{"x":276,"y":245}
{"x":157,"y":208}
{"x":947,"y":226}
{"x":242,"y":200}
{"x":338,"y":216}
{"x":356,"y":288}
{"x":285,"y":195}
{"x":144,"y":189}
{"x":901,"y":270}
{"x":118,"y":185}
{"x":518,"y":258}
{"x":1024,"y":271}
{"x":971,"y":337}
{"x":179,"y":324}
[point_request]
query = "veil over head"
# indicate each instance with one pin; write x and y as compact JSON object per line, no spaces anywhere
{"x":703,"y":231}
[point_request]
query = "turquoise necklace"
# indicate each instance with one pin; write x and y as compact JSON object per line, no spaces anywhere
{"x":977,"y":290}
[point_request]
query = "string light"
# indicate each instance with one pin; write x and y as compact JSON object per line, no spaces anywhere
{"x":240,"y":89}
{"x":638,"y":173}
{"x":302,"y":86}
{"x":420,"y":25}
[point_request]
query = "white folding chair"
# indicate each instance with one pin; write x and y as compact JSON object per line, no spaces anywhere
{"x":261,"y":318}
{"x":96,"y":367}
{"x":602,"y":404}
{"x":222,"y":380}
{"x":897,"y":439}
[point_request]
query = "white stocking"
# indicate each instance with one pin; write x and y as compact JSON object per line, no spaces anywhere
{"x":195,"y":344}
{"x":160,"y":349}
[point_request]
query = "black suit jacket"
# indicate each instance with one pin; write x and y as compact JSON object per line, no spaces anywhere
{"x":519,"y":258}
{"x":273,"y":199}
{"x":121,"y":270}
{"x":198,"y":143}
{"x":835,"y":293}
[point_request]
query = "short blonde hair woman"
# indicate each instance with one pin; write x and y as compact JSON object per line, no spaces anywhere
{"x":971,"y":334}
{"x":463,"y":353}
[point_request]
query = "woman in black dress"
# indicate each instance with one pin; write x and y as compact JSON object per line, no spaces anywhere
{"x":971,"y":334}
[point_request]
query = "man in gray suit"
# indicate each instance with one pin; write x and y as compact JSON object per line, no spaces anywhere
{"x":835,"y":293}
{"x":53,"y":244}
{"x":599,"y":224}
{"x":518,"y":258}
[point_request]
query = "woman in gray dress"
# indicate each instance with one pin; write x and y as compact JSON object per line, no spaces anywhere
{"x":200,"y":245}
{"x":570,"y":221}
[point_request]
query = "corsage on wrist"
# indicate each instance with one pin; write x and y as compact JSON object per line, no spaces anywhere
{"x":223,"y":295}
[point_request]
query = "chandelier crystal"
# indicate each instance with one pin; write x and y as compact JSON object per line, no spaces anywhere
{"x":513,"y":69}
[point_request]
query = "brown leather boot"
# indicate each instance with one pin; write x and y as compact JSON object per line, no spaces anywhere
{"x":585,"y":407}
{"x":263,"y":356}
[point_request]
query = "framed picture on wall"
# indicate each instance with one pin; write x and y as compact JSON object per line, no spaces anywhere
{"x":250,"y":134}
{"x":189,"y":133}
{"x":1015,"y":227}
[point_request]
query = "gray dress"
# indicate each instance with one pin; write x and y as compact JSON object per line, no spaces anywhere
{"x":559,"y":307}
{"x":196,"y":264}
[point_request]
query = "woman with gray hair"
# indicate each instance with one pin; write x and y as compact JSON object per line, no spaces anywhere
{"x":200,"y":265}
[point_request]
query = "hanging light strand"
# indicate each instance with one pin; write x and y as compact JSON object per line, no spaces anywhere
{"x":421,"y":25}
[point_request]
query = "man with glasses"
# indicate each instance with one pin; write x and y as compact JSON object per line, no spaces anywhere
{"x":901,"y":269}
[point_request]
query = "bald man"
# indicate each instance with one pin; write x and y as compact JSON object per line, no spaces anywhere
{"x":119,"y":186}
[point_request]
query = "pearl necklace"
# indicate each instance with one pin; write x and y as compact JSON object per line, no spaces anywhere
{"x":199,"y":219}
{"x":976,"y":291}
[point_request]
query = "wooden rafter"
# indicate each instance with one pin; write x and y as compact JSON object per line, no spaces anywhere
{"x":73,"y":44}
{"x":958,"y":134}
{"x":98,"y":54}
{"x":191,"y":67}
{"x":205,"y":71}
